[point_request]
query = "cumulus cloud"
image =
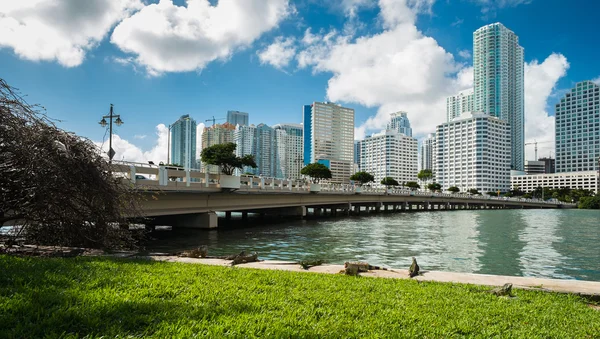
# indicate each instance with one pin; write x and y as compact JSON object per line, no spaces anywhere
{"x":61,"y":30}
{"x":125,"y":150}
{"x":165,"y":37}
{"x":397,"y":69}
{"x":597,"y":81}
{"x":279,"y":53}
{"x":540,"y":83}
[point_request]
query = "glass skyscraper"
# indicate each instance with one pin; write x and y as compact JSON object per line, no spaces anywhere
{"x":577,"y":131}
{"x":237,"y":118}
{"x":400,"y":123}
{"x":183,"y":142}
{"x":499,"y":82}
{"x":329,"y":138}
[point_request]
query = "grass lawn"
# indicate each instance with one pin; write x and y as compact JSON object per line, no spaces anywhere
{"x":98,"y":297}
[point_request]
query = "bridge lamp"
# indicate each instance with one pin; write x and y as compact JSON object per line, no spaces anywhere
{"x":103,"y":123}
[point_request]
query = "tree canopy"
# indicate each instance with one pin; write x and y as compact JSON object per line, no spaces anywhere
{"x":589,"y":202}
{"x":413,"y":185}
{"x":316,"y":171}
{"x":425,"y":175}
{"x":223,"y":155}
{"x":55,"y":186}
{"x":434,"y":186}
{"x":362,"y":177}
{"x":473,"y":191}
{"x":389,"y":181}
{"x":453,"y":189}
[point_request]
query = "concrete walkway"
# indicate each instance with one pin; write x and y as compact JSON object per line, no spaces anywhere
{"x":586,"y":288}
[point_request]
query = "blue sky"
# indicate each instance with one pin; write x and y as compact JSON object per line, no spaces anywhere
{"x":317,"y":51}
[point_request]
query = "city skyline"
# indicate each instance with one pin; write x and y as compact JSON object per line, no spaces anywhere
{"x":277,"y":67}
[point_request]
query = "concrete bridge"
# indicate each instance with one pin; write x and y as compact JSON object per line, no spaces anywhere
{"x":191,"y":198}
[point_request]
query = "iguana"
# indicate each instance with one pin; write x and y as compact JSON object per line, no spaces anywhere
{"x":353,"y":268}
{"x":200,"y":252}
{"x":242,"y":259}
{"x":413,"y":271}
{"x":505,"y":290}
{"x":306,"y":264}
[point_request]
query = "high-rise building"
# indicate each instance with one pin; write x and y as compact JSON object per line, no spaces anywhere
{"x":457,"y":104}
{"x":535,"y":167}
{"x":549,"y":165}
{"x":499,"y":82}
{"x":215,"y":135}
{"x":289,"y":150}
{"x":473,"y":152}
{"x":390,"y":154}
{"x":577,"y":131}
{"x":329,"y":138}
{"x":258,"y":141}
{"x":427,"y":151}
{"x":399,"y":121}
{"x":237,"y":118}
{"x":183,"y":142}
{"x":357,"y":146}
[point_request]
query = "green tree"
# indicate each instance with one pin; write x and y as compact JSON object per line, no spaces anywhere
{"x":453,"y":189}
{"x":223,"y":155}
{"x":362,"y":177}
{"x":413,"y":185}
{"x":316,"y":172}
{"x":474,"y":191}
{"x":425,"y":175}
{"x":434,"y":186}
{"x":389,"y":181}
{"x":589,"y":202}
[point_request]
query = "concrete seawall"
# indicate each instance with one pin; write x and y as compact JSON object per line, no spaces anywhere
{"x":581,"y":287}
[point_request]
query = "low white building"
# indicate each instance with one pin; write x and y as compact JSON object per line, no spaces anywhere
{"x":473,"y":152}
{"x":587,"y":180}
{"x":390,"y":154}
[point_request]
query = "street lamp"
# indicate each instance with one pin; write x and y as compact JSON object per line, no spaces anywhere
{"x":169,"y":145}
{"x":103,"y":123}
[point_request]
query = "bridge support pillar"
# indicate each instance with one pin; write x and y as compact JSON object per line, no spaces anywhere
{"x":201,"y":220}
{"x":227,"y":215}
{"x":378,"y":207}
{"x":244,"y":216}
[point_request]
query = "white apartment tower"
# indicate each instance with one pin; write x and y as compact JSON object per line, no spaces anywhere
{"x":578,"y":129}
{"x":329,"y":138}
{"x":458,"y":104}
{"x":473,"y":151}
{"x":427,"y":151}
{"x":499,"y":82}
{"x":390,"y":154}
{"x":289,"y":150}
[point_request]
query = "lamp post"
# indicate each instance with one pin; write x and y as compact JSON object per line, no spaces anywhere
{"x":119,"y":122}
{"x":169,"y":145}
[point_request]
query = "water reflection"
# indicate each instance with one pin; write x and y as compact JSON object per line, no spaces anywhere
{"x":544,"y":243}
{"x":538,"y":257}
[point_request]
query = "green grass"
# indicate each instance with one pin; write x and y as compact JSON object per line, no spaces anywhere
{"x":95,"y":297}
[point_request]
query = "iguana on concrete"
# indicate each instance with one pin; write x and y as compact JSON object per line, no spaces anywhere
{"x":242,"y":259}
{"x":200,"y":252}
{"x":505,"y":290}
{"x":353,"y":268}
{"x":413,"y":271}
{"x":306,"y":264}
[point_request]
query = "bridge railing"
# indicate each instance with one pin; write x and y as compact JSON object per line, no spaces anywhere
{"x":150,"y":175}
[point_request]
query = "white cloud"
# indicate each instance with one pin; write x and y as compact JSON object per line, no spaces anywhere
{"x":465,"y":54}
{"x":140,"y":136}
{"x":124,"y":150}
{"x":397,"y":69}
{"x":61,"y":30}
{"x":199,"y":132}
{"x":279,"y":53}
{"x":597,"y":81}
{"x":540,"y":82}
{"x":169,"y":38}
{"x":490,"y":7}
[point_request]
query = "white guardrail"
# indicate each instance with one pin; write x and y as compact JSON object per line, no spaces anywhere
{"x":174,"y":177}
